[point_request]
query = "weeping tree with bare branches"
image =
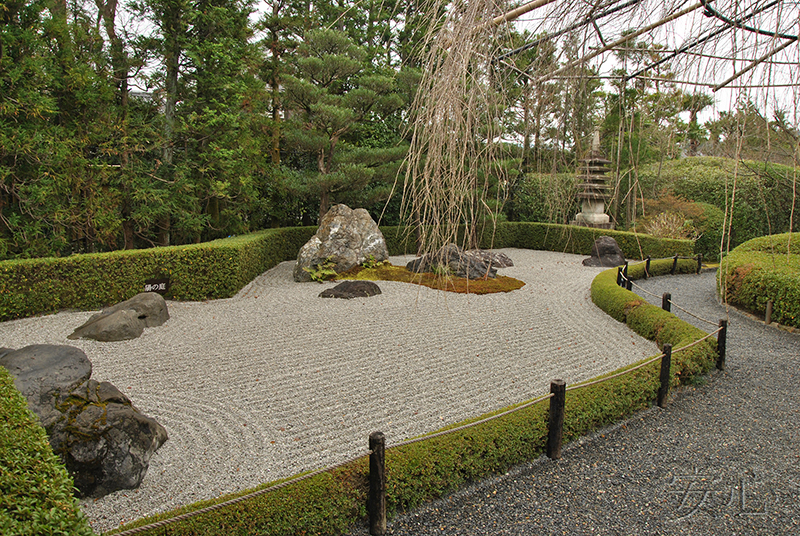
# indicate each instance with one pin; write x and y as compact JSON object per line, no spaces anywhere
{"x":457,"y":128}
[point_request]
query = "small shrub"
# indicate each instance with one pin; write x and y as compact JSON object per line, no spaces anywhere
{"x":35,"y":489}
{"x":671,"y":225}
{"x":323,"y":271}
{"x":765,"y":269}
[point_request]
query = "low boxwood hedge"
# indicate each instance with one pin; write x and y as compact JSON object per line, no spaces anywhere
{"x":216,"y":269}
{"x":35,"y":490}
{"x":763,"y":269}
{"x":219,"y":269}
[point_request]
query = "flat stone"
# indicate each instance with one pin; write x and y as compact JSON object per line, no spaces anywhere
{"x":352,"y":289}
{"x":119,"y":325}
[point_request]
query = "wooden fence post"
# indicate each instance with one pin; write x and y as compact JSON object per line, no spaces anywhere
{"x":619,"y":276}
{"x":768,"y":314}
{"x":665,"y":377}
{"x":558,"y":388}
{"x":721,"y":344}
{"x":699,"y":262}
{"x":666,"y":303}
{"x":627,"y":279}
{"x":376,"y":501}
{"x":647,"y":267}
{"x":674,"y":265}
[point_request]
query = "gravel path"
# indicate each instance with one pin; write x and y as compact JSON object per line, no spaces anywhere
{"x":276,"y":381}
{"x":721,"y":458}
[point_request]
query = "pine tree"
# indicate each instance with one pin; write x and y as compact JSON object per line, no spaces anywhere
{"x":331,"y":92}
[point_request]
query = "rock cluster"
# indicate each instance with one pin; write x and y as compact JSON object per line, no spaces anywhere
{"x":103,"y":440}
{"x":605,"y":252}
{"x":125,"y":320}
{"x":346,"y":238}
{"x":471,"y":264}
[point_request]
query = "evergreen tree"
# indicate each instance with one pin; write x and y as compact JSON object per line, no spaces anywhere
{"x":331,"y":92}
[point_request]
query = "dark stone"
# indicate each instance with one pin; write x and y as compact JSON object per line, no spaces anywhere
{"x":345,"y":237}
{"x":352,"y":289}
{"x":103,"y":440}
{"x":473,"y":264}
{"x":605,"y":252}
{"x":42,"y":372}
{"x":125,"y":320}
{"x":108,"y":446}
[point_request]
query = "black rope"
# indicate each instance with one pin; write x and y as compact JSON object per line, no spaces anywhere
{"x":711,"y":12}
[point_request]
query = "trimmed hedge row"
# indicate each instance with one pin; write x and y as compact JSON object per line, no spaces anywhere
{"x":579,"y":240}
{"x":762,"y":269}
{"x":35,"y":490}
{"x":330,"y":503}
{"x":216,"y":269}
{"x":219,"y":269}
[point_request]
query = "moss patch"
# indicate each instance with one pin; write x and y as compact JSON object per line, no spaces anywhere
{"x":389,"y":272}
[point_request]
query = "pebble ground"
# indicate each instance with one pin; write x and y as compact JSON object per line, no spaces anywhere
{"x":276,"y":381}
{"x":723,"y":458}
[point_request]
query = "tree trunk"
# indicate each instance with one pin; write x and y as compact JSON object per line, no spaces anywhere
{"x":324,"y":204}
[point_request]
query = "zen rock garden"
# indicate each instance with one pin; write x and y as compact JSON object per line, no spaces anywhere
{"x":103,"y":440}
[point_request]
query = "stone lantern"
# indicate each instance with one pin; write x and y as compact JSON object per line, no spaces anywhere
{"x":594,"y":189}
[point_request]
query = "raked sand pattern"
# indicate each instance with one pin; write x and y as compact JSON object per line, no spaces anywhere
{"x":275,"y":380}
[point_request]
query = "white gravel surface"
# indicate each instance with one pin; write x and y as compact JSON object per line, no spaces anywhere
{"x":275,"y":380}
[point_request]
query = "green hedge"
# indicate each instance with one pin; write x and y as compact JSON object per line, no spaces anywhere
{"x":332,"y":502}
{"x":219,"y":269}
{"x":762,"y":269}
{"x":579,"y":240}
{"x":210,"y":270}
{"x":35,"y":490}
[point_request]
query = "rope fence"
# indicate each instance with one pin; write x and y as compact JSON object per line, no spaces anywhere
{"x":376,"y":502}
{"x":666,"y":299}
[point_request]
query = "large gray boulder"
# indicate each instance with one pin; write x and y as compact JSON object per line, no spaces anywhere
{"x":125,"y":320}
{"x":605,"y":252}
{"x":103,"y":440}
{"x":346,"y":238}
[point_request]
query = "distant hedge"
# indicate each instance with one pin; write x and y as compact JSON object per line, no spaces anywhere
{"x":763,"y":269}
{"x":210,"y":270}
{"x":35,"y":490}
{"x":764,"y":192}
{"x":219,"y":269}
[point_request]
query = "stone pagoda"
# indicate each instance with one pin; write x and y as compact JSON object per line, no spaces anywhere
{"x":594,"y":189}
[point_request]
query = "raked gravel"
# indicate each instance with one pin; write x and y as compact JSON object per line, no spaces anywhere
{"x":275,"y":380}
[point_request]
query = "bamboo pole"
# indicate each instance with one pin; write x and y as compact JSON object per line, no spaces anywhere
{"x":753,"y":65}
{"x":620,"y":41}
{"x":518,"y":12}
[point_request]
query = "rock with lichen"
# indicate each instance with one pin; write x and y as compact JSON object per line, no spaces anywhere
{"x":345,"y":238}
{"x":103,"y":440}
